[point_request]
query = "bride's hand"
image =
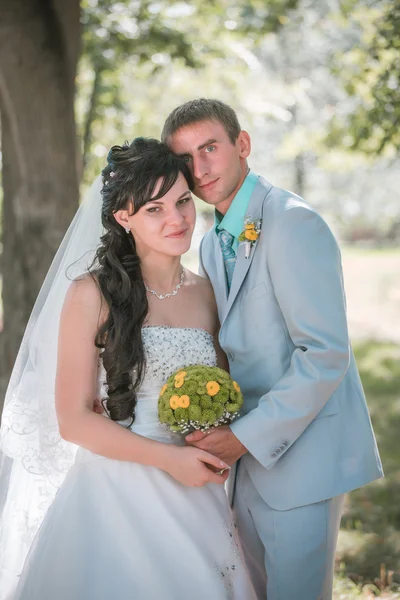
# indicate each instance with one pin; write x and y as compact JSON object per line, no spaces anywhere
{"x":189,"y":466}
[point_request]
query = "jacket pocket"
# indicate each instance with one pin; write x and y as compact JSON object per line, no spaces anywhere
{"x":330,"y":408}
{"x":254,"y":293}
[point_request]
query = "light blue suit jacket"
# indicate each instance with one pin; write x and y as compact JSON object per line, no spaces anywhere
{"x":305,"y":421}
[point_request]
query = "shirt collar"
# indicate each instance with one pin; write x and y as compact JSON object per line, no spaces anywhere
{"x":233,"y":220}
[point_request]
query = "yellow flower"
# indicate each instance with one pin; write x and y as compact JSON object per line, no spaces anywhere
{"x":184,"y":401}
{"x":249,"y":226}
{"x":180,"y":379}
{"x":174,"y":402}
{"x":251,"y":234}
{"x":212,"y":388}
{"x":163,"y":390}
{"x":236,"y":386}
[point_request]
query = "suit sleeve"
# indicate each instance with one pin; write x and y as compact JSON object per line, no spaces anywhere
{"x":305,"y":268}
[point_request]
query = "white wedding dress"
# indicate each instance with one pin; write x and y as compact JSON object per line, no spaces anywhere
{"x":122,"y":530}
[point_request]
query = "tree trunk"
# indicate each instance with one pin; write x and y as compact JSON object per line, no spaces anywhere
{"x":300,"y":175}
{"x":39,"y":47}
{"x":91,"y":114}
{"x":299,"y":161}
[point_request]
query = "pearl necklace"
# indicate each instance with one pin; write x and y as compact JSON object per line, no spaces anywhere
{"x":173,"y":293}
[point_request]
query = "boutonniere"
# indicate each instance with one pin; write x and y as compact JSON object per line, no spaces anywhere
{"x":250,"y":235}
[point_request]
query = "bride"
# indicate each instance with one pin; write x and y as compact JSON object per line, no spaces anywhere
{"x":138,"y":514}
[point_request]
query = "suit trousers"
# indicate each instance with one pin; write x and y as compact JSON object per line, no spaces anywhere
{"x":290,"y":554}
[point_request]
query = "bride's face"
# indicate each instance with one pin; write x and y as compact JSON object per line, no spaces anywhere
{"x":165,"y":225}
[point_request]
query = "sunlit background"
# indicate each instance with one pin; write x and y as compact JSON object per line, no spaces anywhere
{"x":316,"y":85}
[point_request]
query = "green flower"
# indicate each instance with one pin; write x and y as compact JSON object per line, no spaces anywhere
{"x":201,"y":390}
{"x":236,"y":398}
{"x":168,"y":395}
{"x":181,"y":414}
{"x":208,"y":417}
{"x":219,"y":410}
{"x":166,"y":403}
{"x":190,"y":387}
{"x":176,"y":428}
{"x":222,"y":376}
{"x":170,"y":420}
{"x":232,"y":408}
{"x":194,"y":412}
{"x":222,"y":396}
{"x":165,"y":414}
{"x":194,"y":400}
{"x":206,"y":402}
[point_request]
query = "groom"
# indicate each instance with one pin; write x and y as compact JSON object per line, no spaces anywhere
{"x":305,"y":437}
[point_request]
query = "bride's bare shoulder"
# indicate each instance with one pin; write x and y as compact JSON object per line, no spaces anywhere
{"x":84,"y":292}
{"x":200,"y":285}
{"x":85,"y":286}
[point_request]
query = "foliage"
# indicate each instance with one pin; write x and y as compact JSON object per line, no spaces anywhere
{"x":130,"y":30}
{"x":129,"y":42}
{"x":269,"y":60}
{"x":294,"y":96}
{"x":370,"y":71}
{"x":369,"y":547}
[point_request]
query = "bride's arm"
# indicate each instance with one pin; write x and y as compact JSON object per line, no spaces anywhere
{"x":76,"y":383}
{"x":222,"y":359}
{"x":209,"y":305}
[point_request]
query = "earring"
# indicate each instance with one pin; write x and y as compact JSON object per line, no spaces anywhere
{"x":127,"y":230}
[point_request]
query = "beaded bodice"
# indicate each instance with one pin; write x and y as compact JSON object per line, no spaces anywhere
{"x":167,"y":349}
{"x":171,"y":348}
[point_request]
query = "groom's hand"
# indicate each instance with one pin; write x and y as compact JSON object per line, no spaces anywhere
{"x":220,"y":442}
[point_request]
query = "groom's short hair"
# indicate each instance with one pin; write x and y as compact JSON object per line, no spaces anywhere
{"x":202,"y":109}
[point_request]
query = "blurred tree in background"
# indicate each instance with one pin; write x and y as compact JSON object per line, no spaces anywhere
{"x":317,"y":86}
{"x":129,"y":43}
{"x":39,"y":50}
{"x":371,"y":75}
{"x":42,"y":164}
{"x":133,"y":31}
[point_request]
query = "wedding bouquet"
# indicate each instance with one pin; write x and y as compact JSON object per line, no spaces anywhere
{"x":199,"y":397}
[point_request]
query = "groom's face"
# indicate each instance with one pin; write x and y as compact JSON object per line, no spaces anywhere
{"x":218,"y":166}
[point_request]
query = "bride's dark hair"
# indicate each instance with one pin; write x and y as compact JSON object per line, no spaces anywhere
{"x":129,"y":181}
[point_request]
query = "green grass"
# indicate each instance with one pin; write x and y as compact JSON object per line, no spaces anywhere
{"x":370,"y":535}
{"x":368,"y":556}
{"x":369,"y":541}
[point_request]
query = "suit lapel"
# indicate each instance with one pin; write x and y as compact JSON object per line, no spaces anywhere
{"x":230,"y":484}
{"x":242,"y":266}
{"x":220,"y":286}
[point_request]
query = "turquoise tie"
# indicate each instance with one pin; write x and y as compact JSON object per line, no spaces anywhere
{"x":226,"y":240}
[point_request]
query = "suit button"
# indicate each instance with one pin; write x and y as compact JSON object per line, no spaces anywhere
{"x":285,"y":443}
{"x":282,"y":447}
{"x":274,"y":455}
{"x":231,"y":356}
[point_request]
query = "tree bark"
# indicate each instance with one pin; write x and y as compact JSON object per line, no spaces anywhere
{"x":39,"y":48}
{"x":91,"y":114}
{"x":300,"y":175}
